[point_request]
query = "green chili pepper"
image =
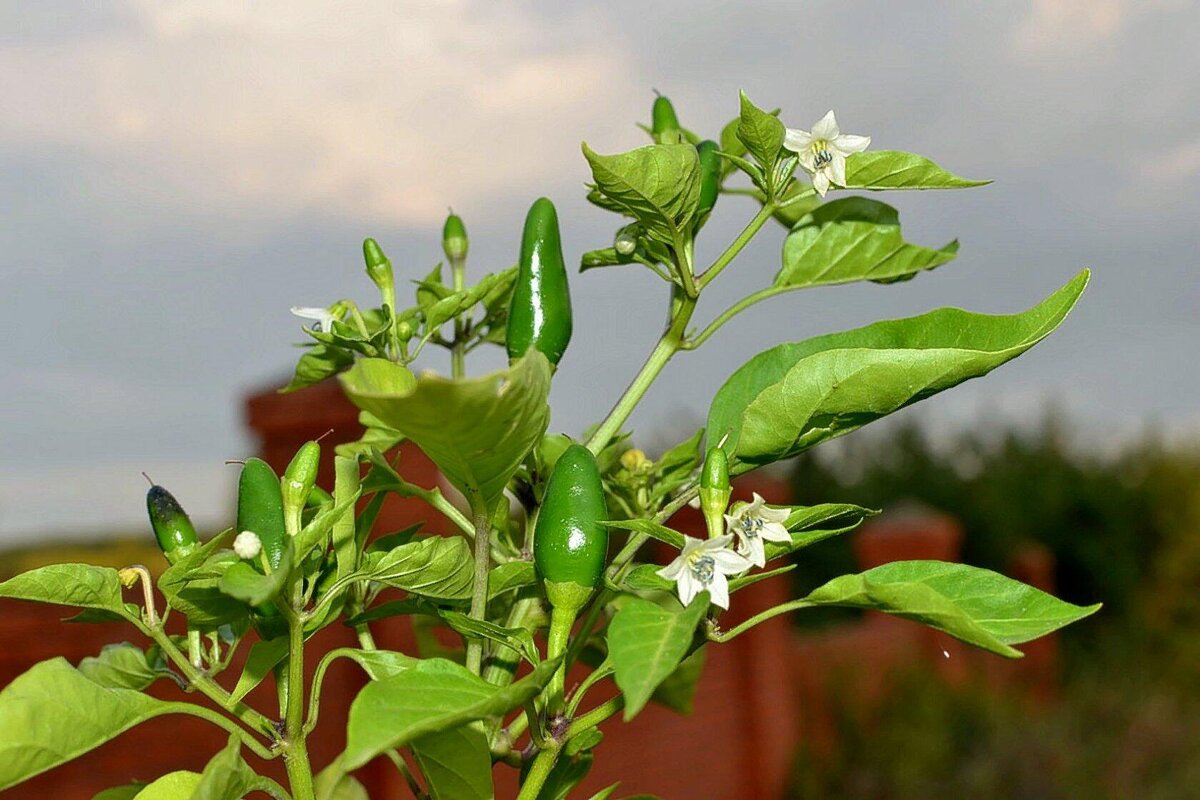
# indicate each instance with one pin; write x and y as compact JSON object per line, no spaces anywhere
{"x":570,"y":547}
{"x":174,"y":531}
{"x":715,"y":490}
{"x":454,"y":238}
{"x":298,"y":481}
{"x":663,"y":122}
{"x":379,"y":267}
{"x":260,"y":508}
{"x":710,"y":176}
{"x":540,"y":314}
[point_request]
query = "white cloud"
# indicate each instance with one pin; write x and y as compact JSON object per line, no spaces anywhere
{"x":1061,"y":27}
{"x":385,"y":112}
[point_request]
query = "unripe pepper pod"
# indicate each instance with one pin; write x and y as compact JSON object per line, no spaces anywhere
{"x":540,"y":313}
{"x":454,"y":238}
{"x":172,"y":528}
{"x":715,"y":490}
{"x":710,"y":176}
{"x":663,"y":122}
{"x":260,"y":508}
{"x":298,"y":481}
{"x":379,"y":268}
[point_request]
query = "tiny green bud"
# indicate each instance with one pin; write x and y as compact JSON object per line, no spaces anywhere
{"x":379,"y":268}
{"x":715,"y":490}
{"x":454,"y":238}
{"x":404,"y":331}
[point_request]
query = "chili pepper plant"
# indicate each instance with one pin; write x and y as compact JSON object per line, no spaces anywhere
{"x":546,"y":567}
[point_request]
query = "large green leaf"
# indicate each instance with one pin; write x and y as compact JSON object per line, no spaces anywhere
{"x":978,"y":606}
{"x":853,"y":239}
{"x":457,"y":763}
{"x":659,"y":185}
{"x":52,"y":714}
{"x":895,"y":169}
{"x":796,"y":395}
{"x":180,"y":785}
{"x":436,"y":567}
{"x":477,"y":431}
{"x":434,"y":695}
{"x":79,"y":585}
{"x":646,"y":642}
{"x":120,"y":666}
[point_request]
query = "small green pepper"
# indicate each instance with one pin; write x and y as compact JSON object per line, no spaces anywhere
{"x":540,"y":313}
{"x":570,"y":546}
{"x":710,"y":177}
{"x":664,"y":125}
{"x":379,"y":268}
{"x":260,"y":508}
{"x":454,"y":238}
{"x":715,"y":490}
{"x":174,"y":531}
{"x":298,"y":481}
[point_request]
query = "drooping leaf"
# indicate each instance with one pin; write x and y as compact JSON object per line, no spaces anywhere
{"x":52,"y":714}
{"x":895,"y":169}
{"x":519,"y":640}
{"x":79,"y":585}
{"x":978,"y":606}
{"x":678,"y":690}
{"x":794,"y":396}
{"x":477,"y":431}
{"x":264,"y":655}
{"x":659,"y":185}
{"x":646,"y":642}
{"x":434,"y":695}
{"x":318,"y":363}
{"x":456,"y":763}
{"x":853,"y":239}
{"x":121,"y":666}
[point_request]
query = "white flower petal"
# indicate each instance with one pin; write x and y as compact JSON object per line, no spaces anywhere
{"x":796,"y":140}
{"x":688,"y":587}
{"x":808,"y":160}
{"x":837,"y":169}
{"x":729,"y":562}
{"x":827,"y":128}
{"x":719,"y":543}
{"x":671,"y":571}
{"x":320,"y":315}
{"x":821,"y":183}
{"x":774,"y":532}
{"x":849,"y":144}
{"x":753,"y":551}
{"x":718,"y":591}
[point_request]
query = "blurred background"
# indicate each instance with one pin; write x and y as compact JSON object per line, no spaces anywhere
{"x":175,"y":174}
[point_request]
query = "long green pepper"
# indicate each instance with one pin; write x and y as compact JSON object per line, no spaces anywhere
{"x":540,"y":313}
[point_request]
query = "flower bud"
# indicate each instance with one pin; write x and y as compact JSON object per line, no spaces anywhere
{"x":379,"y":268}
{"x":626,"y":242}
{"x":454,"y":238}
{"x":715,"y":490}
{"x":635,"y":460}
{"x":247,"y":545}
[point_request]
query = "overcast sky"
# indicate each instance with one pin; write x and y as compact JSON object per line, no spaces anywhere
{"x":174,"y":174}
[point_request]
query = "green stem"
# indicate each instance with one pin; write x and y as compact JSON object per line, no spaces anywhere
{"x":299,"y":770}
{"x":670,"y":343}
{"x":735,"y":247}
{"x":538,"y":773}
{"x":762,"y":616}
{"x":594,"y":717}
{"x":271,"y":788}
{"x":561,"y":622}
{"x":225,"y":723}
{"x":741,"y":305}
{"x":458,"y":361}
{"x":483,"y":563}
{"x":598,"y":674}
{"x":435,"y":498}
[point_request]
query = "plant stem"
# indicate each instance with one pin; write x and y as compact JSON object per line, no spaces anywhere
{"x":538,"y":772}
{"x":458,"y":361}
{"x":735,"y":309}
{"x":670,"y":343}
{"x":735,"y":247}
{"x":483,"y":563}
{"x":296,"y":754}
{"x":760,"y":617}
{"x":193,"y":710}
{"x":597,"y":715}
{"x":561,"y":622}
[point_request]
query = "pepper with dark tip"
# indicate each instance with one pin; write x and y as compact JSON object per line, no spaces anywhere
{"x":540,"y":313}
{"x":174,"y":531}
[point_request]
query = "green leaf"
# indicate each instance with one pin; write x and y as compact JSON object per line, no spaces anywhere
{"x":794,"y":396}
{"x":519,"y":640}
{"x":978,"y":606}
{"x":760,"y":132}
{"x":811,"y":524}
{"x":126,"y":792}
{"x":646,"y":642}
{"x":510,"y":576}
{"x":190,"y":585}
{"x":53,"y":713}
{"x":180,"y":785}
{"x":645,"y":578}
{"x":895,"y":169}
{"x":79,"y":585}
{"x":332,"y":783}
{"x":318,"y":363}
{"x":457,"y":763}
{"x":652,"y":529}
{"x":119,"y":666}
{"x":678,"y":691}
{"x":853,"y":239}
{"x":437,"y":567}
{"x":659,"y":185}
{"x":318,"y":528}
{"x":242,"y":581}
{"x":565,"y":775}
{"x":227,"y":776}
{"x":476,"y":431}
{"x":380,"y":664}
{"x":604,"y":257}
{"x":433,"y":696}
{"x":605,"y":793}
{"x":264,"y":655}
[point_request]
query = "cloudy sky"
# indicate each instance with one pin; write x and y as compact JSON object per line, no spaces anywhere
{"x":174,"y":174}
